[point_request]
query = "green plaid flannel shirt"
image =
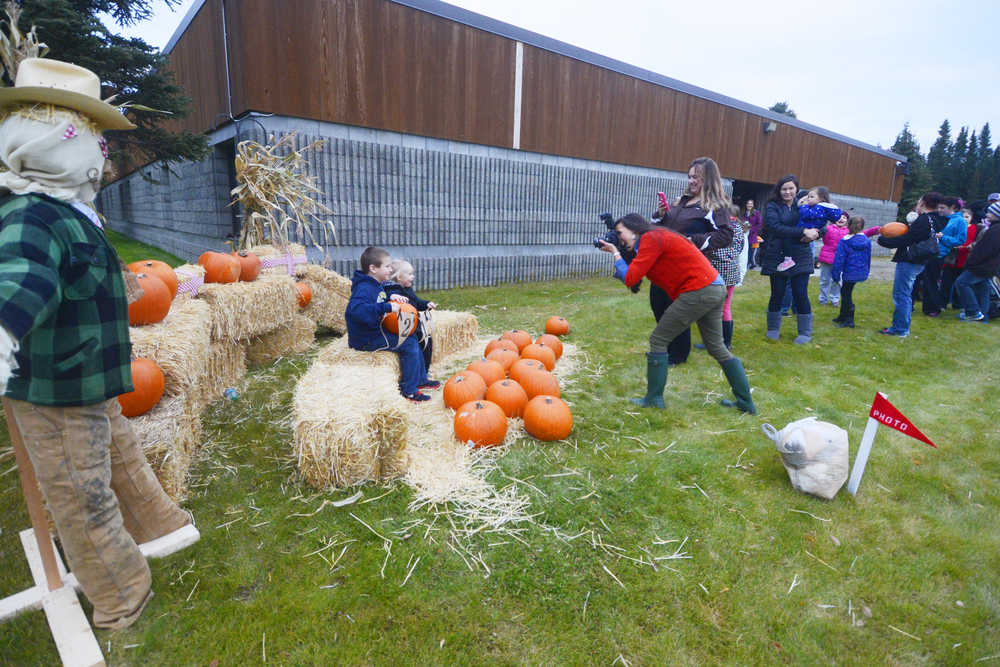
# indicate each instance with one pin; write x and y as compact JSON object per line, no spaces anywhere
{"x":62,"y":297}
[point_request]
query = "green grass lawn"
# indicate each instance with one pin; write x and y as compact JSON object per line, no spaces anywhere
{"x":905,"y":573}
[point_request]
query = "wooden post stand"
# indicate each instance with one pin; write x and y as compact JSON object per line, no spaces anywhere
{"x":55,"y":588}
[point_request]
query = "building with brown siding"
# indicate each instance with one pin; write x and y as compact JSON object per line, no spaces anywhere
{"x":481,"y":151}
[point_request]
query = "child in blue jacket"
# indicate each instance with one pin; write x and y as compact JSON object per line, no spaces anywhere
{"x":364,"y":313}
{"x":400,"y":288}
{"x":815,"y":211}
{"x":955,"y":232}
{"x":852,"y":263}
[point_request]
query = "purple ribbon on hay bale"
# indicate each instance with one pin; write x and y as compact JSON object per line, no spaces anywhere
{"x":189,"y":284}
{"x":288,"y":260}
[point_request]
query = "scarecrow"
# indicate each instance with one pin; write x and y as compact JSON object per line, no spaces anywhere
{"x":65,"y":353}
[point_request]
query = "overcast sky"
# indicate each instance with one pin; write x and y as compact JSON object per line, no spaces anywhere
{"x":858,"y":67}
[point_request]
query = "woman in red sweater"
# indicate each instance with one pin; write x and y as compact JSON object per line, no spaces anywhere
{"x":697,"y":292}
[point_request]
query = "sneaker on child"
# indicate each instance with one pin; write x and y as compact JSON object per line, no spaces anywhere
{"x":786,"y":264}
{"x":977,"y":316}
{"x":430,"y":384}
{"x":416,"y":397}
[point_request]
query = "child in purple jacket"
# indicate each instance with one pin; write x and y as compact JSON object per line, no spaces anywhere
{"x":852,"y":262}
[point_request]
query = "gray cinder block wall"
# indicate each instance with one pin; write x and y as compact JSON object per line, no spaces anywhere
{"x":463,"y":214}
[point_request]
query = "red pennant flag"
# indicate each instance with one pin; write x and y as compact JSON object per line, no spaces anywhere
{"x":886,"y":413}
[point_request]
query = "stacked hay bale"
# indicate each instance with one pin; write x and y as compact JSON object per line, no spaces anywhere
{"x":330,"y":294}
{"x":170,"y":436}
{"x":351,"y":424}
{"x":452,"y":331}
{"x":274,"y":260}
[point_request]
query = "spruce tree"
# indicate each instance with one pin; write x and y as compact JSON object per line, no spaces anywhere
{"x":939,"y":156}
{"x":129,"y":68}
{"x":955,"y":183}
{"x":918,"y":181}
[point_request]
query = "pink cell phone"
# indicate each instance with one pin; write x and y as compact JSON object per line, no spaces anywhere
{"x":662,"y":199}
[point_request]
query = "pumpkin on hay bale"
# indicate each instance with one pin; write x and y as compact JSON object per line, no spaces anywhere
{"x":147,"y":380}
{"x":358,"y":438}
{"x":170,"y":436}
{"x":243,"y":310}
{"x":249,"y":265}
{"x":162,"y":270}
{"x":285,"y":341}
{"x":179,"y":345}
{"x":330,"y":294}
{"x":305,"y":294}
{"x":153,"y":305}
{"x":219,"y":267}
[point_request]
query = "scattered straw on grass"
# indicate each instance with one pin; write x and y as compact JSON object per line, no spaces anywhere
{"x":351,"y":425}
{"x":285,"y":341}
{"x":330,"y":294}
{"x":170,"y":436}
{"x":244,"y":309}
{"x":179,"y":345}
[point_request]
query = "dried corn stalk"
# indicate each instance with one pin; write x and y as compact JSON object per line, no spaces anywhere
{"x":15,"y":46}
{"x":279,"y":198}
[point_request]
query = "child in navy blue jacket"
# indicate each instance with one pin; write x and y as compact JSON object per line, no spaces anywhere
{"x":400,"y":288}
{"x":815,"y":211}
{"x":852,"y":262}
{"x":369,"y":303}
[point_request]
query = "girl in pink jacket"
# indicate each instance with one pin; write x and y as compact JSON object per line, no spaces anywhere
{"x":829,"y":289}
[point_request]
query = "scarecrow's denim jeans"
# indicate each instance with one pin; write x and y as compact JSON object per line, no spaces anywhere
{"x":902,"y":296}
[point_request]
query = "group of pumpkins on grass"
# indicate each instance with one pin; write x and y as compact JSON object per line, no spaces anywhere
{"x":513,"y":379}
{"x":159,"y":287}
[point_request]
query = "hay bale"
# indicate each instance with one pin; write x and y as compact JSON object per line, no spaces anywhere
{"x":170,"y":436}
{"x":226,"y":365}
{"x":359,"y":437}
{"x":190,"y":278}
{"x":273,"y":260}
{"x":179,"y":345}
{"x":285,"y":341}
{"x":330,"y":294}
{"x":337,"y":353}
{"x":242,"y":310}
{"x":452,"y":331}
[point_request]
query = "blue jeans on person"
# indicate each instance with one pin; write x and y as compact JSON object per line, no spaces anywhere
{"x":902,"y":296}
{"x":799,"y":286}
{"x":411,"y":361}
{"x":974,"y":293}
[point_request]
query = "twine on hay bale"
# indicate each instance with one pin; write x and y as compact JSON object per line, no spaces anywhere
{"x":274,"y":260}
{"x":452,"y":331}
{"x":241,"y":310}
{"x":170,"y":436}
{"x":225,"y":367}
{"x":190,"y":278}
{"x":351,"y":425}
{"x":287,"y":340}
{"x":330,"y":294}
{"x":179,"y":345}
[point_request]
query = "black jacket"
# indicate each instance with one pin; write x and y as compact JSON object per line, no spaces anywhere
{"x":415,"y":301}
{"x":984,"y":259}
{"x":781,"y":222}
{"x":920,"y":229}
{"x":689,"y":220}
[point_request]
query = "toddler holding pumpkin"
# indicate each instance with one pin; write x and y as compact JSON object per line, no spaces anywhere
{"x":400,"y":288}
{"x":368,"y":304}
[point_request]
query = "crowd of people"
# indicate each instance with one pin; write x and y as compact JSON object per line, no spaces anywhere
{"x":698,"y":250}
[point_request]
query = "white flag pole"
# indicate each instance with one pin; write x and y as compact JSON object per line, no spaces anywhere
{"x":861,"y":460}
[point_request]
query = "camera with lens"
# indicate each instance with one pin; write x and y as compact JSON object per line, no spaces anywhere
{"x":610,"y":236}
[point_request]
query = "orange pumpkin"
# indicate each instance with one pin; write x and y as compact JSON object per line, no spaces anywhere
{"x":505,"y":358}
{"x":162,"y":270}
{"x":519,"y":337}
{"x":548,"y":418}
{"x":509,"y":395}
{"x":482,"y":423}
{"x":147,"y":378}
{"x":540,"y":383}
{"x":489,"y":370}
{"x":154,"y":304}
{"x":557,"y":326}
{"x":249,"y":265}
{"x":391,"y":320}
{"x":501,"y":344}
{"x":540,"y":352}
{"x":522,"y":367}
{"x":463,"y":387}
{"x":552,"y":342}
{"x":891,"y":229}
{"x":219,"y":267}
{"x":305,"y":294}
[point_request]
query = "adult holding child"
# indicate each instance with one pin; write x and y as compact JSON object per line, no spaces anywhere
{"x":701,"y":215}
{"x":65,"y":353}
{"x":697,"y":293}
{"x":783,"y":235}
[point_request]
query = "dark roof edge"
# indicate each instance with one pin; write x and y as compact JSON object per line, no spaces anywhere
{"x":509,"y":31}
{"x":185,"y":22}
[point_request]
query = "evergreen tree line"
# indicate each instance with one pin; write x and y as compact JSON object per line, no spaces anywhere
{"x":968,"y":167}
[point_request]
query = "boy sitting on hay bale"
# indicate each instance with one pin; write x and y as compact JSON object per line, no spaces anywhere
{"x":364,"y":313}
